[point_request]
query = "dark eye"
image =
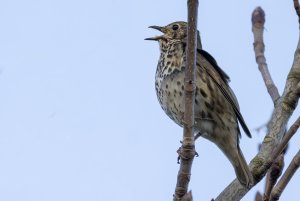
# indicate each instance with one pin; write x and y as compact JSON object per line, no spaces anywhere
{"x":175,"y":27}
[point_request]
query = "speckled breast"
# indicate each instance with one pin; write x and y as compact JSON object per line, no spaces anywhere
{"x":170,"y":95}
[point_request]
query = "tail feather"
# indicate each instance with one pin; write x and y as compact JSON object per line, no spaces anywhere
{"x":241,"y":169}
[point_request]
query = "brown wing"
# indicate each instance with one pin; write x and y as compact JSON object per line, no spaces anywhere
{"x":221,"y":79}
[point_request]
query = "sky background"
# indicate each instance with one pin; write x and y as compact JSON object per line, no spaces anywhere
{"x":79,"y":117}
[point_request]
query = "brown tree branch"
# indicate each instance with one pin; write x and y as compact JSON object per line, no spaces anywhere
{"x":258,"y":21}
{"x":187,"y":150}
{"x":293,"y":129}
{"x":284,"y":108}
{"x":273,"y":174}
{"x":187,"y":197}
{"x":297,"y":8}
{"x":276,"y":192}
{"x":258,"y":196}
{"x":286,"y":177}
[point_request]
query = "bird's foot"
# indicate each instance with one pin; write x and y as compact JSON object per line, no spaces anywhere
{"x":185,"y":155}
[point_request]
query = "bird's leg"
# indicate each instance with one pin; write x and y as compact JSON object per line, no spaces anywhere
{"x":180,"y":153}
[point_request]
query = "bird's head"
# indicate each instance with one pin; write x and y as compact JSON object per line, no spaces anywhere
{"x":174,"y":31}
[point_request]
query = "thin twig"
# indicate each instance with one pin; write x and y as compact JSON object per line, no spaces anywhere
{"x":258,"y":196}
{"x":283,"y":110}
{"x":187,"y":150}
{"x":273,"y":174}
{"x":286,"y":177}
{"x":258,"y":21}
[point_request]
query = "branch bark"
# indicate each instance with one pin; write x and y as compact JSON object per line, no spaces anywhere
{"x":297,"y":8}
{"x":258,"y":197}
{"x":273,"y":174}
{"x":187,"y":150}
{"x":293,"y":129}
{"x":278,"y":189}
{"x":258,"y":21}
{"x":284,"y":108}
{"x":286,"y":177}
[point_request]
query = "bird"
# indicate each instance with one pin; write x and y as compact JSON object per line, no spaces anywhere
{"x":216,"y":110}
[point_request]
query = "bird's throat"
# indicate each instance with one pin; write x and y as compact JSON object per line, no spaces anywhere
{"x":172,"y":59}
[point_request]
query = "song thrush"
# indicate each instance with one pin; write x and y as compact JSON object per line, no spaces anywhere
{"x":216,"y":108}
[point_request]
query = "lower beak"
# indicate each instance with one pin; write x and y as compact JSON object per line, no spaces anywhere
{"x":156,"y":38}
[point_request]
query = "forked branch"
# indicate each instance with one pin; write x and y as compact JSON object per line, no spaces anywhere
{"x":286,"y":177}
{"x":294,"y":165}
{"x":258,"y":21}
{"x":284,"y":108}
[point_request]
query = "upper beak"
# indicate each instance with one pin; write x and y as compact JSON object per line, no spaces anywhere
{"x":161,"y":29}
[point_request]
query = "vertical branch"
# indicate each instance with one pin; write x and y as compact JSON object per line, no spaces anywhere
{"x":187,"y":150}
{"x":258,"y":21}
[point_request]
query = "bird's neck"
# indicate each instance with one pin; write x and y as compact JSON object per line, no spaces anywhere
{"x":172,"y":58}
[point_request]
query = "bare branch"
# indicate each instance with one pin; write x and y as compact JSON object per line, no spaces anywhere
{"x":273,"y":174}
{"x":187,"y":197}
{"x":258,"y":21}
{"x":235,"y":191}
{"x":283,"y":110}
{"x":293,"y":129}
{"x":187,"y":150}
{"x":258,"y":197}
{"x":297,"y":8}
{"x":276,"y":169}
{"x":286,"y":177}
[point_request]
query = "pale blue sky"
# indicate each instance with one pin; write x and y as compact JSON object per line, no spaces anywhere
{"x":79,"y":116}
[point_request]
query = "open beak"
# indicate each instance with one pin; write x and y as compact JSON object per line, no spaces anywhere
{"x":161,"y":29}
{"x":156,"y":38}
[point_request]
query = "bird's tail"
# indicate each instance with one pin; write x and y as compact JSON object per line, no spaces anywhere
{"x":241,"y":169}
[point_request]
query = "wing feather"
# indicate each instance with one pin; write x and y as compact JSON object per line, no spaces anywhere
{"x":221,"y":79}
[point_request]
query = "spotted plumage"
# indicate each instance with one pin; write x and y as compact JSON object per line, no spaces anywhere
{"x":216,"y":108}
